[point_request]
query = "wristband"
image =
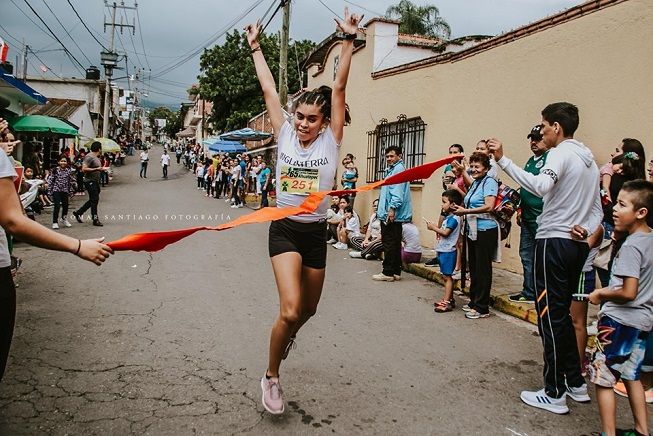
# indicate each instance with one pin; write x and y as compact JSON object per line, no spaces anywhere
{"x":79,"y":245}
{"x":347,"y":36}
{"x":255,"y":49}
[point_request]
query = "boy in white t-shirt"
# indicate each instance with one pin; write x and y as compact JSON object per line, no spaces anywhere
{"x":445,"y":249}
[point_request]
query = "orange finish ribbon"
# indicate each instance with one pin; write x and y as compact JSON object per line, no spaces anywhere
{"x":155,"y":241}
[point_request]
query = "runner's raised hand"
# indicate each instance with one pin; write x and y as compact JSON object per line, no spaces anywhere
{"x":350,"y":24}
{"x":253,"y":33}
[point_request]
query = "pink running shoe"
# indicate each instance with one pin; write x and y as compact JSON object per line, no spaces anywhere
{"x":272,"y":397}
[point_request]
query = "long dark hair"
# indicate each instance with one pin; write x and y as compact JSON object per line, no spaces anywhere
{"x":633,"y":159}
{"x":321,"y":97}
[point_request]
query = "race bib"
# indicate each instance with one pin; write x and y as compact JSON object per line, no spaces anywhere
{"x":300,"y":181}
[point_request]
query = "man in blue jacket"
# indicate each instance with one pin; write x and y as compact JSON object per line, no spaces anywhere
{"x":395,"y":208}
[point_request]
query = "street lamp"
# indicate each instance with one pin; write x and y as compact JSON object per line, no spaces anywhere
{"x":109,"y":60}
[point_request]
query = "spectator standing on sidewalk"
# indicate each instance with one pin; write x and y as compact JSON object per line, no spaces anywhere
{"x":61,"y":186}
{"x":265,"y":182}
{"x":529,"y":210}
{"x":178,"y":153}
{"x":446,"y":246}
{"x":145,"y":158}
{"x":297,"y":245}
{"x":568,"y":184}
{"x":395,"y":208}
{"x":481,"y":234}
{"x":91,"y":167}
{"x":165,"y":163}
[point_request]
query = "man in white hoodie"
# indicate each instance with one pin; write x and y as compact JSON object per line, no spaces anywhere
{"x":568,"y":185}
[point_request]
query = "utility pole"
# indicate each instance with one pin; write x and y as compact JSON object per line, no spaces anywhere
{"x":110,"y":60}
{"x":24,"y":66}
{"x":283,"y":55}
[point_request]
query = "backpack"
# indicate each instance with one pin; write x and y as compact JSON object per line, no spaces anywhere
{"x":506,"y":204}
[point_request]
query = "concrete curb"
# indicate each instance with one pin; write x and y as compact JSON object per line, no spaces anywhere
{"x":498,"y":297}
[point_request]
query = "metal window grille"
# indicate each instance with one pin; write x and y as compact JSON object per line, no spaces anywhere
{"x":407,"y":133}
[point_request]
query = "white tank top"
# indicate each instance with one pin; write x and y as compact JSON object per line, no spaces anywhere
{"x":300,"y":170}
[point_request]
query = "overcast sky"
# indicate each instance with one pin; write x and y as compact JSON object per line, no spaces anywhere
{"x":172,"y":29}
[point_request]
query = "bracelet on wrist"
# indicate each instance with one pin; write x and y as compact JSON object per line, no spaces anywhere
{"x":79,"y":245}
{"x":347,"y":36}
{"x":255,"y":49}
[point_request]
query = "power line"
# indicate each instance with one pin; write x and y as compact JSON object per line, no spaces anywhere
{"x":330,"y":10}
{"x":364,"y":8}
{"x":140,"y":33}
{"x":55,"y":36}
{"x":30,"y":18}
{"x":44,"y":64}
{"x":89,"y":30}
{"x":18,"y":42}
{"x":67,"y":33}
{"x":165,"y":69}
{"x":131,"y":37}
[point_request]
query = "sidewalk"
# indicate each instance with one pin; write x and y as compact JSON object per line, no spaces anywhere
{"x":504,"y":284}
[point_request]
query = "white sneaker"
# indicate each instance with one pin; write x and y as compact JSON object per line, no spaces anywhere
{"x":579,"y":394}
{"x":541,"y":400}
{"x":233,"y":206}
{"x":355,"y":254}
{"x":380,"y":277}
{"x":55,"y":226}
{"x":331,"y":241}
{"x":456,"y":275}
{"x":239,"y":206}
{"x":66,"y":223}
{"x":340,"y":246}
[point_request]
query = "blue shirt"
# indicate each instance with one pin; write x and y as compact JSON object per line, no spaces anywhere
{"x":263,"y":174}
{"x":481,"y":188}
{"x":448,"y":244}
{"x":395,"y":197}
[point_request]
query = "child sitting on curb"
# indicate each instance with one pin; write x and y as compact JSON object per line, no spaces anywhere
{"x":626,"y":318}
{"x":446,"y":246}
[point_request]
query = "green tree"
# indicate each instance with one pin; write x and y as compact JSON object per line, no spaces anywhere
{"x":173,"y":120}
{"x":420,"y":20}
{"x":228,"y":78}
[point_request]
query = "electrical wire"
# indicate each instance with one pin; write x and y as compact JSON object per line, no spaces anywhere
{"x":131,"y":37}
{"x":43,"y":63}
{"x":18,"y":42}
{"x":31,"y":19}
{"x":89,"y":30}
{"x":330,"y":10}
{"x":140,"y":33}
{"x":67,"y":33}
{"x":167,"y":68}
{"x":55,"y":37}
{"x":364,"y":8}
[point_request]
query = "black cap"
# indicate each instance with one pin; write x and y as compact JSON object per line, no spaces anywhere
{"x":536,"y":133}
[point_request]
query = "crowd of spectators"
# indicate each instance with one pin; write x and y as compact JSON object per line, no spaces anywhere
{"x":232,"y":177}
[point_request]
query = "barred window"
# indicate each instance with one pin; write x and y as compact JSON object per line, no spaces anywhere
{"x":407,"y":133}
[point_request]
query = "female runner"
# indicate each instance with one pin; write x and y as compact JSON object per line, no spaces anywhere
{"x":307,"y":160}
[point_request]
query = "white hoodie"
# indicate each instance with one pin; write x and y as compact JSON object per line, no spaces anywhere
{"x":569,"y":185}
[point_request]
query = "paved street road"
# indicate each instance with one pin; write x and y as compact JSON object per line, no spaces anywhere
{"x":174,"y":343}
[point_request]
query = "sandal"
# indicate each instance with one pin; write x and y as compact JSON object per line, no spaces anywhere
{"x":443,"y":306}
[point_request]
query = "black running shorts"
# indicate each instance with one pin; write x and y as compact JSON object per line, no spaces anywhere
{"x":307,"y":239}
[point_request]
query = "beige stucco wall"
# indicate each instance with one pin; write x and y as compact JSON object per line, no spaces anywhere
{"x":601,"y":62}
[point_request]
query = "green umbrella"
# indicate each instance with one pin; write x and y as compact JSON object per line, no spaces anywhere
{"x":42,"y":123}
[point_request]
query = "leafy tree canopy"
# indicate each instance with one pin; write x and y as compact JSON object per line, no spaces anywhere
{"x":228,"y":78}
{"x":420,"y":20}
{"x":173,"y":120}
